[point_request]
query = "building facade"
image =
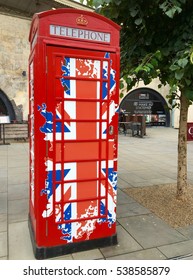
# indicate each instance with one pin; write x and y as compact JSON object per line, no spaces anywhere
{"x":14,"y":53}
{"x":151,"y":101}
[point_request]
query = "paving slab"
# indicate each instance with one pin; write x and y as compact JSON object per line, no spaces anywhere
{"x":63,"y":257}
{"x":3,"y":203}
{"x":131,"y":209}
{"x":3,"y":244}
{"x":18,"y":191}
{"x":3,"y":172}
{"x":20,"y":246}
{"x":3,"y":161}
{"x":15,"y":162}
{"x":3,"y":185}
{"x":163,"y":180}
{"x":122,"y":184}
{"x":177,"y":249}
{"x":3,"y":222}
{"x":186,"y":257}
{"x":123,"y":198}
{"x":131,"y":178}
{"x":150,"y":231}
{"x":126,"y":244}
{"x":148,"y":254}
{"x":18,"y":171}
{"x":18,"y":210}
{"x":187,"y":231}
{"x":20,"y":178}
{"x":94,"y":254}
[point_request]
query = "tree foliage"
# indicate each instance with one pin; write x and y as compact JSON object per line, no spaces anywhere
{"x":156,"y":41}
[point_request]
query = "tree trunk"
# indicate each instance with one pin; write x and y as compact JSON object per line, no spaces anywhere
{"x":182,"y":149}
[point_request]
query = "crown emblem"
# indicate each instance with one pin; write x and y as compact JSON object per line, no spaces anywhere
{"x":81,"y":20}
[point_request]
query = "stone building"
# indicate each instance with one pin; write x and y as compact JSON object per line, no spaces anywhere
{"x":15,"y":18}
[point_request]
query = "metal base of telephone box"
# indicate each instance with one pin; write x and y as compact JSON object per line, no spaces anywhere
{"x":41,"y":253}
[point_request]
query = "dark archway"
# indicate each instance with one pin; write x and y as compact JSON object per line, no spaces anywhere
{"x":147,"y":102}
{"x":6,"y":107}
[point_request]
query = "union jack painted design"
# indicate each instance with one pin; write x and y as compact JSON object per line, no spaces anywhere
{"x":81,"y":181}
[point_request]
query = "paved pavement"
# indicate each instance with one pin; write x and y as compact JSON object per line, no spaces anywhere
{"x":141,"y":234}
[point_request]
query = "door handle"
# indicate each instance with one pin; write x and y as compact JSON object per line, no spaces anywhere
{"x":111,"y":129}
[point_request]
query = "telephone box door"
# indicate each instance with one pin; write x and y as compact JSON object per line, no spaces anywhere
{"x":80,"y":132}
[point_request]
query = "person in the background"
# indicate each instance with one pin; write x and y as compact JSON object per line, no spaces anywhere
{"x":122,"y":119}
{"x":121,"y":115}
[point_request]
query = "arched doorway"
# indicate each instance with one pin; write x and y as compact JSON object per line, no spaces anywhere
{"x":147,"y":102}
{"x":6,"y":107}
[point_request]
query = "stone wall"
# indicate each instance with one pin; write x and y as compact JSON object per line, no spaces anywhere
{"x":14,"y":53}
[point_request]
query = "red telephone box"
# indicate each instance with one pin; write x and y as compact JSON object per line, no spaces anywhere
{"x":74,"y":92}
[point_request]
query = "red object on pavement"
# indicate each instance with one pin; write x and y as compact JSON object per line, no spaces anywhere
{"x":74,"y":93}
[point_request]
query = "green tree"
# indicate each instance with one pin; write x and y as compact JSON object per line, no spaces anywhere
{"x":157,"y":42}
